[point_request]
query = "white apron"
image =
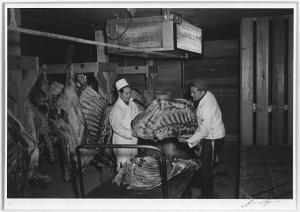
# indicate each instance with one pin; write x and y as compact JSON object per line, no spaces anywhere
{"x":121,"y":116}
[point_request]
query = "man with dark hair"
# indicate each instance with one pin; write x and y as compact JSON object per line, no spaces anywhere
{"x":209,"y":135}
{"x":121,"y":115}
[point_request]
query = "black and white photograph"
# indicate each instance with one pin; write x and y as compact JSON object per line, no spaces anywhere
{"x":150,"y":106}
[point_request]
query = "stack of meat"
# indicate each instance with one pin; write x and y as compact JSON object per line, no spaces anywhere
{"x":144,"y":173}
{"x":165,"y":119}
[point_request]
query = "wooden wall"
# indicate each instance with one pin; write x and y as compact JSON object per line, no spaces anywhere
{"x":169,"y":74}
{"x":267,"y":80}
{"x":219,"y":66}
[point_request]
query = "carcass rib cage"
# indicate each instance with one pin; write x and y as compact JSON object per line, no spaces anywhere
{"x":144,"y":173}
{"x":165,"y":119}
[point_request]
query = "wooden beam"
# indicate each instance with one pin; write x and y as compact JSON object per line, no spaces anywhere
{"x":14,"y":38}
{"x":133,"y":70}
{"x":278,"y":81}
{"x":90,"y":67}
{"x":102,"y":60}
{"x":246,"y":81}
{"x":101,"y":56}
{"x":262,"y":80}
{"x":16,"y":62}
{"x":107,"y":67}
{"x":90,"y":42}
{"x":290,"y":78}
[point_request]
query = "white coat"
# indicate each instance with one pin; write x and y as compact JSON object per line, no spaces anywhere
{"x":120,"y":119}
{"x":209,"y":118}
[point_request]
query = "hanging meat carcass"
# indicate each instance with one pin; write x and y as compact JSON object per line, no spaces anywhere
{"x":164,"y":119}
{"x":22,"y":156}
{"x":36,"y":117}
{"x":96,"y":110}
{"x":144,"y":173}
{"x":93,"y":108}
{"x":68,"y":123}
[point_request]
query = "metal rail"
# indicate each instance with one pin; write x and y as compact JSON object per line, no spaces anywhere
{"x":90,"y":42}
{"x":99,"y":146}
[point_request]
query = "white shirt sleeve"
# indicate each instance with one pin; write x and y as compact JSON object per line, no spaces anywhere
{"x":117,"y":124}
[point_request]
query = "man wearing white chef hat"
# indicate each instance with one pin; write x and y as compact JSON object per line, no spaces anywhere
{"x":120,"y":117}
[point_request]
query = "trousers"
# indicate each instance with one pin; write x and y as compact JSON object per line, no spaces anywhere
{"x":208,"y":155}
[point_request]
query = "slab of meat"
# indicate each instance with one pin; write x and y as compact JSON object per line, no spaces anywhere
{"x":67,"y":121}
{"x":143,"y":173}
{"x":22,"y":156}
{"x":93,"y":108}
{"x":55,"y":90}
{"x":96,"y":112}
{"x":164,"y":119}
{"x":36,"y":117}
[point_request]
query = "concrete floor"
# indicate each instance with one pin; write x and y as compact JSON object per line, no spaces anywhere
{"x":225,"y":178}
{"x":266,"y":172}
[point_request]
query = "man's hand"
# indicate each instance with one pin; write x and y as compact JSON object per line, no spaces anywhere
{"x":193,"y":144}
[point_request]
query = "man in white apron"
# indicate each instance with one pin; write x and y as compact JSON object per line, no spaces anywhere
{"x":120,"y":117}
{"x":209,"y":134}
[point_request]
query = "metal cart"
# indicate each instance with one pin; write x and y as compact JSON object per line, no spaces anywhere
{"x":173,"y":188}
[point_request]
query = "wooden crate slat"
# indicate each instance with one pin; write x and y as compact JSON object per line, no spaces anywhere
{"x":246,"y":81}
{"x":278,"y":81}
{"x":290,"y":79}
{"x":89,"y":67}
{"x":133,"y":70}
{"x":262,"y":80}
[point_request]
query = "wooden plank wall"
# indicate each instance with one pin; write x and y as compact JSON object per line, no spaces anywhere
{"x":221,"y":71}
{"x":169,"y":74}
{"x":274,"y":68}
{"x":246,"y":133}
{"x":278,"y":81}
{"x":221,"y":48}
{"x":262,"y":80}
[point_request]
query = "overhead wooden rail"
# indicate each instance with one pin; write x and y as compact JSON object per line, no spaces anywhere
{"x":90,"y":42}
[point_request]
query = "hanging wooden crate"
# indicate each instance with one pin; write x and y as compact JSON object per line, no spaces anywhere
{"x":153,"y":34}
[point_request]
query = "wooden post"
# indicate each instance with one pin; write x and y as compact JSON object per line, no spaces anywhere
{"x":150,"y":83}
{"x":14,"y":48}
{"x":262,"y":80}
{"x":246,"y":81}
{"x":290,"y":79}
{"x":102,"y":57}
{"x":14,"y":38}
{"x":278,"y":81}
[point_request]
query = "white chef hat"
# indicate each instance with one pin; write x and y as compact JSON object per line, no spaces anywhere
{"x":121,"y":84}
